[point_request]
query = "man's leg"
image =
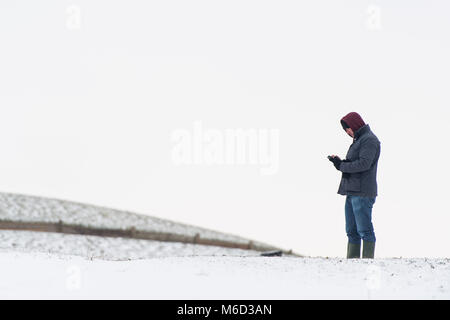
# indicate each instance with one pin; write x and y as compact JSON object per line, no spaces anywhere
{"x":354,"y":239}
{"x":362,"y":208}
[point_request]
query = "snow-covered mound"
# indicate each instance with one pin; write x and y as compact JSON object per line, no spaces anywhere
{"x":39,"y":276}
{"x":25,"y":208}
{"x":93,"y":247}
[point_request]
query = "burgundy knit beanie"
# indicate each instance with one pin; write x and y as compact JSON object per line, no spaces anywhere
{"x":352,"y":120}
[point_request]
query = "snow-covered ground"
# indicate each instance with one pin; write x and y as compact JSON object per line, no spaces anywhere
{"x":37,"y":265}
{"x":46,"y":276}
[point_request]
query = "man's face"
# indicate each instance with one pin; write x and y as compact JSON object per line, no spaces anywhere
{"x":350,"y":132}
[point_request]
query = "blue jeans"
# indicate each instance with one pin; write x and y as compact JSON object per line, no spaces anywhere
{"x":358,"y":219}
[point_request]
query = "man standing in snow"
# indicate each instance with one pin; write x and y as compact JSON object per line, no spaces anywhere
{"x":359,"y":185}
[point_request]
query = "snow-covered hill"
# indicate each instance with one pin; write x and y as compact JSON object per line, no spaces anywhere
{"x":106,"y":248}
{"x":25,"y":208}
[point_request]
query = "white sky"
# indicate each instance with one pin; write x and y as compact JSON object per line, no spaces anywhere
{"x":87,"y":114}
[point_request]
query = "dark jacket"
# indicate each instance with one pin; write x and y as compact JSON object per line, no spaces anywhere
{"x":359,"y":171}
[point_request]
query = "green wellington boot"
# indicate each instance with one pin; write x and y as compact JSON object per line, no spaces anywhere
{"x":353,"y":250}
{"x":368,"y":250}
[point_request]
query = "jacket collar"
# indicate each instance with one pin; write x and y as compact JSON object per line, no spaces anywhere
{"x":364,"y":129}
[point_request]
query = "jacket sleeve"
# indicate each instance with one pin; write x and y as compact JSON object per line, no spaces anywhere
{"x":367,"y":154}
